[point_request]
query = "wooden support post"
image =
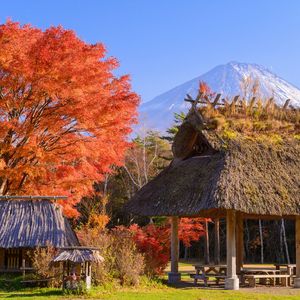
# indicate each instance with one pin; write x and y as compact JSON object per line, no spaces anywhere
{"x":232,"y":281}
{"x":239,"y":242}
{"x":88,"y":275}
{"x":217,"y":241}
{"x":206,"y":244}
{"x":23,"y":268}
{"x":297,"y":239}
{"x":174,"y":276}
{"x":63,"y":276}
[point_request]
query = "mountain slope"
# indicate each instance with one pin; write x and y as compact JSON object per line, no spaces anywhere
{"x":225,"y":79}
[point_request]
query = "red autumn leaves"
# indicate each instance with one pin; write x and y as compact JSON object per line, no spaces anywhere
{"x":64,"y":116}
{"x":154,"y":241}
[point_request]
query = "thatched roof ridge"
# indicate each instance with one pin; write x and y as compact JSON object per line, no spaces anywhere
{"x":250,"y":173}
{"x":32,"y":223}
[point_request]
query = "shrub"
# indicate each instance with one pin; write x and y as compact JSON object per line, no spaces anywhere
{"x":100,"y":238}
{"x":131,"y":252}
{"x":129,"y":262}
{"x":154,"y":242}
{"x":41,"y":262}
{"x":122,"y":260}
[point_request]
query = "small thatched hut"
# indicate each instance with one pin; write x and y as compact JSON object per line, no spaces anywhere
{"x":29,"y":223}
{"x":78,"y":259}
{"x":230,"y":160}
{"x":78,"y":255}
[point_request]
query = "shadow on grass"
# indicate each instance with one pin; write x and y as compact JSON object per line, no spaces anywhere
{"x":23,"y":294}
{"x":186,"y":285}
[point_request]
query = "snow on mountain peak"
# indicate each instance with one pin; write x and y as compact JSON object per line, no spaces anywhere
{"x":158,"y":113}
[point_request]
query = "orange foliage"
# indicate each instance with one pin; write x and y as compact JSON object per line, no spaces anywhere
{"x":64,"y":116}
{"x":98,"y":222}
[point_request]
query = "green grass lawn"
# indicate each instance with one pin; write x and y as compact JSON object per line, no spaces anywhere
{"x":161,"y":293}
{"x":158,"y":290}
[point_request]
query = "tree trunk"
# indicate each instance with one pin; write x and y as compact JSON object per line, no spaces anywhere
{"x":281,"y":259}
{"x":186,"y":253}
{"x":247,"y":238}
{"x":285,"y":242}
{"x":261,"y":242}
{"x":206,"y":244}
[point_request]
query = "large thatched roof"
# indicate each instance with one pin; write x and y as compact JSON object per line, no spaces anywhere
{"x":32,"y":223}
{"x":212,"y":172}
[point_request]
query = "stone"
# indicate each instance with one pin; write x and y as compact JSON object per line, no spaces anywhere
{"x":174,"y":277}
{"x":232,"y":283}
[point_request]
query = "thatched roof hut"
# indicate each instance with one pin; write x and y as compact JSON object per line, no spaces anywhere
{"x":249,"y":177}
{"x":255,"y":173}
{"x":78,"y":259}
{"x":78,"y":255}
{"x":233,"y":160}
{"x":33,"y":223}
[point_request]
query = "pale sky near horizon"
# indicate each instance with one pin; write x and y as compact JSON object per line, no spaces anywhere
{"x":163,"y":43}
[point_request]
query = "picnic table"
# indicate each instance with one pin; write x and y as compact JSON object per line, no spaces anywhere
{"x":290,"y":269}
{"x":203,"y":272}
{"x":263,"y":274}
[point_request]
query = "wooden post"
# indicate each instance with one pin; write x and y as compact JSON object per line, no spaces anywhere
{"x":239,"y":243}
{"x":206,"y":244}
{"x":232,"y":281}
{"x":63,"y":276}
{"x":174,"y":276}
{"x":297,"y":239}
{"x":23,"y":268}
{"x":217,"y":241}
{"x":88,"y":275}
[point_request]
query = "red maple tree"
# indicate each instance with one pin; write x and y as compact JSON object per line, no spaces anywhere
{"x":154,"y":241}
{"x":190,"y":230}
{"x":64,"y":116}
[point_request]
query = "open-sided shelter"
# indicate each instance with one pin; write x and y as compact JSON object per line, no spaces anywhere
{"x":233,"y":160}
{"x":27,"y":223}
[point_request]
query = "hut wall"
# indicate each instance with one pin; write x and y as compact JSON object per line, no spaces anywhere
{"x":2,"y":258}
{"x":27,"y":254}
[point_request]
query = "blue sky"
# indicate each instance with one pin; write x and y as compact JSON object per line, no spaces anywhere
{"x":163,"y":43}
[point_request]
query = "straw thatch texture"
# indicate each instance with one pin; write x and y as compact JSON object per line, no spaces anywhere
{"x":250,"y":177}
{"x":79,"y":255}
{"x":32,"y":223}
{"x":209,"y":174}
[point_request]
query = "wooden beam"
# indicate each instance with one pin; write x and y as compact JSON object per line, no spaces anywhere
{"x":286,"y":104}
{"x":232,"y":281}
{"x":215,"y":102}
{"x":297,"y":240}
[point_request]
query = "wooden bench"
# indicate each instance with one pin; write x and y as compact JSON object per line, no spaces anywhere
{"x":219,"y":277}
{"x":272,"y":277}
{"x":36,"y":282}
{"x":197,"y":277}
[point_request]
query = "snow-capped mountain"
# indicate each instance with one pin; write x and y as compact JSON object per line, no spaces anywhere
{"x":158,"y":113}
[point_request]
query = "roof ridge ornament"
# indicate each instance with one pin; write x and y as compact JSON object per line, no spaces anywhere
{"x":202,"y":98}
